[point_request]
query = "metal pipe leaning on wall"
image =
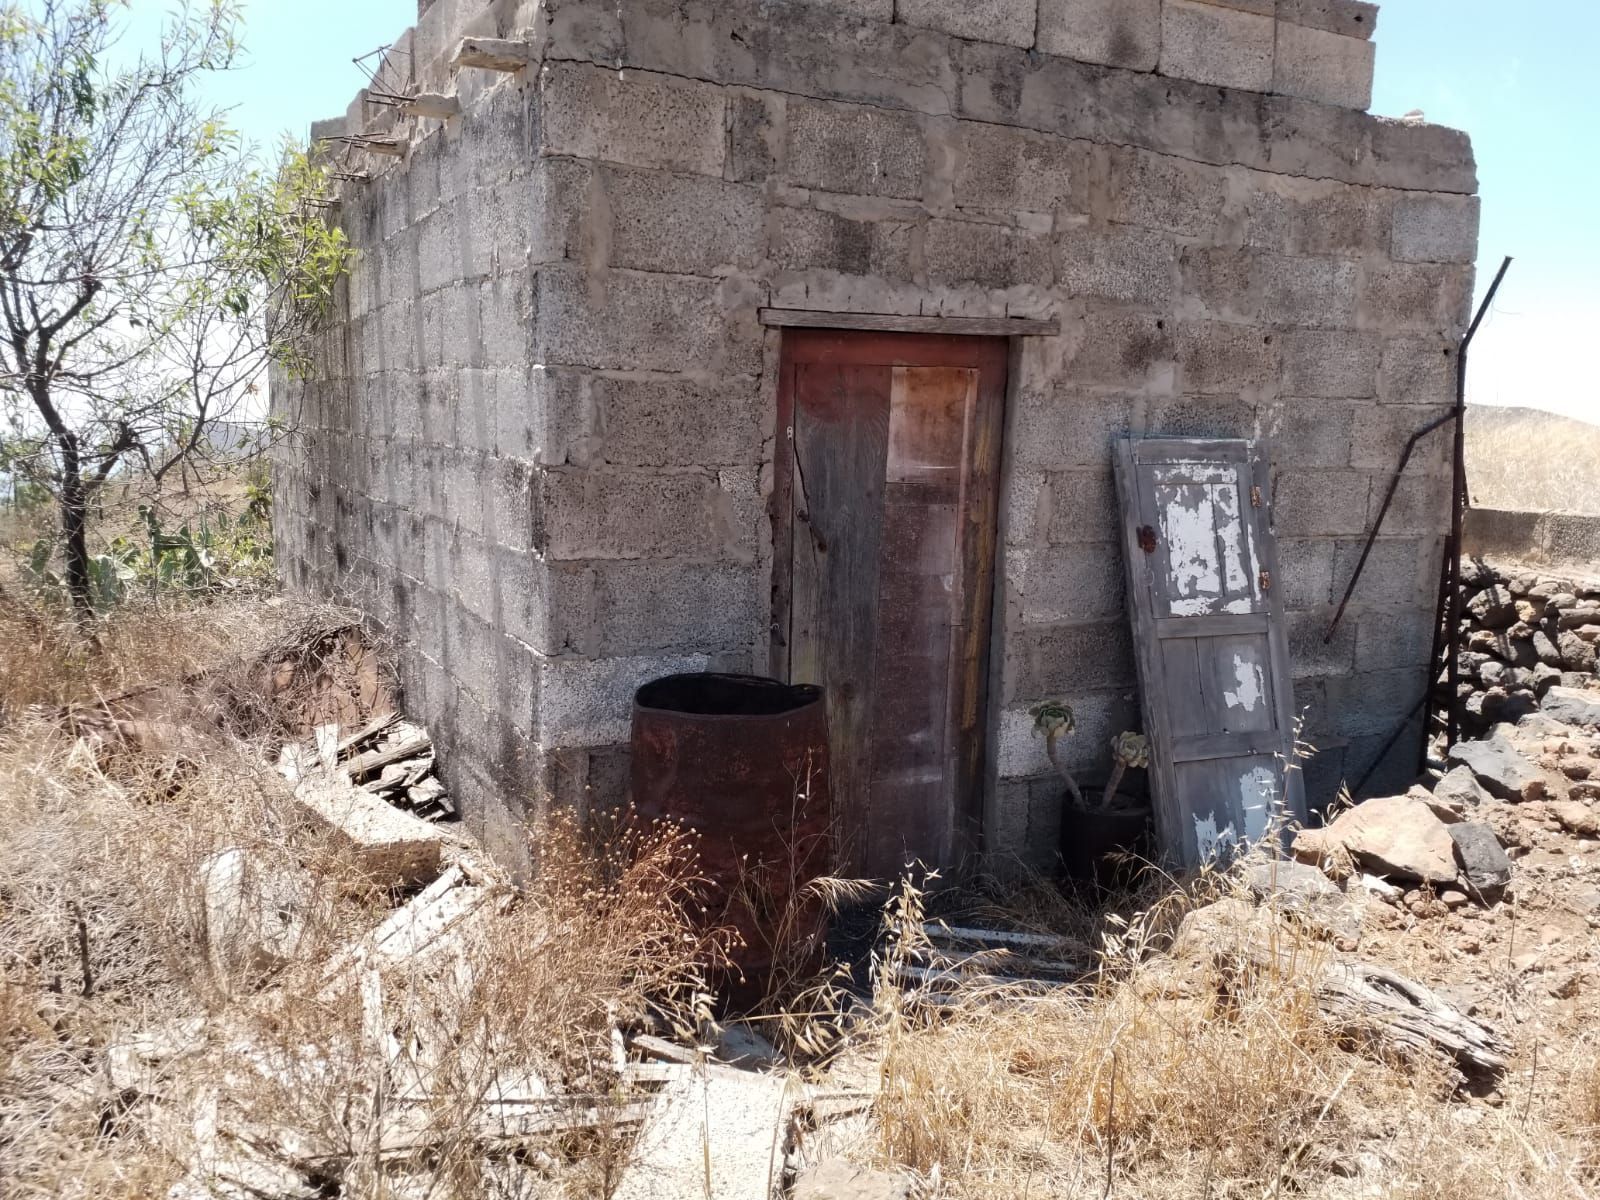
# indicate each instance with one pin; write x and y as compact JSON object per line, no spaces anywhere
{"x":1450,"y":588}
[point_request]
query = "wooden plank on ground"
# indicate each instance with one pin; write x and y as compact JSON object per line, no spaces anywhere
{"x":391,"y":847}
{"x":716,"y":1135}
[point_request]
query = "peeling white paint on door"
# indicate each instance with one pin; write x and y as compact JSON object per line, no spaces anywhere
{"x":1258,"y":791}
{"x":1213,"y":842}
{"x":1249,"y":685}
{"x":1188,"y":526}
{"x":1207,"y":545}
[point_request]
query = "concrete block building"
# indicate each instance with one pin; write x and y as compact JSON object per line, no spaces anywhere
{"x":606,"y":248}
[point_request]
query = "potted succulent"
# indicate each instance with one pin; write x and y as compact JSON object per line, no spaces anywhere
{"x":1090,"y":833}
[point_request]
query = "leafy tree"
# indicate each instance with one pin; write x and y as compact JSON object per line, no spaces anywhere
{"x":150,"y":264}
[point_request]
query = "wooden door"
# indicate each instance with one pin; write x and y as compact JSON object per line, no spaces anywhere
{"x":884,"y":534}
{"x":1209,"y":638}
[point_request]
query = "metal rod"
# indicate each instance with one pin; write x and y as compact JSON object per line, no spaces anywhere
{"x":1435,"y":653}
{"x":1458,"y":507}
{"x":1377,"y":524}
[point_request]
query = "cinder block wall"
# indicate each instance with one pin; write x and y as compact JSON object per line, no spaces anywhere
{"x":541,"y":445}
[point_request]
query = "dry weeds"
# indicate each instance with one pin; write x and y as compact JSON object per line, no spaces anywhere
{"x":1521,"y":458}
{"x":103,"y":945}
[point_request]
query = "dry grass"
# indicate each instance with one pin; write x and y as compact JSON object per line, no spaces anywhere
{"x":1521,"y":458}
{"x":1175,"y":1075}
{"x":103,"y":939}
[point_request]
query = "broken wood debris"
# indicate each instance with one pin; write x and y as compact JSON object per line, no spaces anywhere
{"x":388,"y":757}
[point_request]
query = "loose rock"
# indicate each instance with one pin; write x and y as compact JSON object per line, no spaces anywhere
{"x":1398,"y":837}
{"x":1484,"y":865}
{"x":1460,"y":789}
{"x":1572,"y":706}
{"x":1499,"y":767}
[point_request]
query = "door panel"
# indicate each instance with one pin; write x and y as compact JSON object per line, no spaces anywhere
{"x":883,"y":576}
{"x":1212,"y":653}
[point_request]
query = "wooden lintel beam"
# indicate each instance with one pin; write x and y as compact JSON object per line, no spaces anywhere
{"x":431,"y":104}
{"x":491,"y":54}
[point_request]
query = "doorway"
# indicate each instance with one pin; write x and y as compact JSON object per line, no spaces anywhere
{"x":885,"y":503}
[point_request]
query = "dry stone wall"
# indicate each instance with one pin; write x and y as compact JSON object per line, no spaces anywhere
{"x":540,"y":447}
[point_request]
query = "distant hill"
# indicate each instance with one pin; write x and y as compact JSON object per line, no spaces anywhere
{"x":1527,"y":459}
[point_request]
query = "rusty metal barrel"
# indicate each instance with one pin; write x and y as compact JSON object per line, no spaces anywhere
{"x":743,"y":761}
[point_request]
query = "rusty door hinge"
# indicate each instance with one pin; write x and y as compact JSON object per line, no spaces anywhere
{"x":1255,"y":497}
{"x":1147,"y":539}
{"x":1266,"y":581}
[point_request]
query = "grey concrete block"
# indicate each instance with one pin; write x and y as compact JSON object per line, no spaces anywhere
{"x":1382,"y":430}
{"x":755,"y":133}
{"x":811,"y":239}
{"x":1418,"y":370}
{"x":1159,"y":191}
{"x":1353,"y":18}
{"x":1392,"y":640}
{"x":1016,"y":170}
{"x":1065,"y":428}
{"x":590,"y":703}
{"x":1373,"y":703}
{"x":1217,"y":357}
{"x":1437,"y":228}
{"x":1305,"y":572}
{"x":1082,"y":507}
{"x":469,"y":653}
{"x":688,"y":224}
{"x":628,"y":514}
{"x":1320,"y":502}
{"x":1121,"y":262}
{"x":549,"y":607}
{"x":646,"y":321}
{"x":1067,"y":583}
{"x":1420,"y":157}
{"x":1308,"y":433}
{"x":1118,"y":33}
{"x":875,"y":10}
{"x":508,"y":503}
{"x":1271,"y":288}
{"x":855,"y":149}
{"x":1008,"y":21}
{"x":1421,"y":503}
{"x":1118,"y":348}
{"x":1323,"y":362}
{"x":1309,"y":654}
{"x":1216,"y":416}
{"x":1053,"y":660}
{"x":1329,"y":68}
{"x":635,"y":118}
{"x":984,"y":255}
{"x":469,"y":577}
{"x":1418,"y":297}
{"x":643,"y":607}
{"x":1316,"y":217}
{"x":1401,"y":573}
{"x":1215,"y":45}
{"x":670,"y":422}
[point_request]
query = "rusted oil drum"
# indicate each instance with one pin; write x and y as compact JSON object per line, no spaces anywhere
{"x":743,"y":761}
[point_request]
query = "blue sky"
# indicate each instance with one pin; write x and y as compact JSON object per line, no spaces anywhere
{"x":1520,"y":79}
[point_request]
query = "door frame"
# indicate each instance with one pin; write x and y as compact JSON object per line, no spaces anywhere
{"x":991,"y":356}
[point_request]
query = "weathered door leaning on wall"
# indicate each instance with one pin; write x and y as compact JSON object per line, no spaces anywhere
{"x":884,"y":533}
{"x":1209,"y":639}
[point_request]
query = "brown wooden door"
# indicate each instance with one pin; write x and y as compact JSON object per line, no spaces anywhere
{"x":884,"y":528}
{"x":1209,"y":634}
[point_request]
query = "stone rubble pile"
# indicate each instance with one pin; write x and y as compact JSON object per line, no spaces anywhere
{"x":1523,"y":633}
